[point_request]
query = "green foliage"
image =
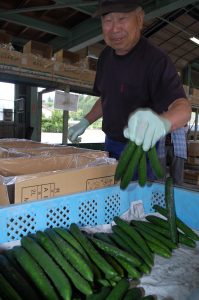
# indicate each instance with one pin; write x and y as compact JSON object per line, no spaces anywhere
{"x":55,"y":122}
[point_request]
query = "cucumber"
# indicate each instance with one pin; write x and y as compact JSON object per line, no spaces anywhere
{"x":163,"y":228}
{"x":72,"y":256}
{"x":54,"y":272}
{"x":115,"y":265}
{"x":155,"y":241}
{"x":155,"y":164}
{"x":115,"y":251}
{"x":131,"y":167}
{"x":159,"y":250}
{"x":133,"y":273}
{"x":103,"y":236}
{"x":130,"y":230}
{"x":7,"y":291}
{"x":67,"y":236}
{"x":119,"y":290}
{"x":144,"y":268}
{"x":124,"y":159}
{"x":120,"y":243}
{"x":19,"y":283}
{"x":180,"y":224}
{"x":101,"y":295}
{"x":136,"y":250}
{"x":170,"y":205}
{"x":142,"y":170}
{"x":79,"y":282}
{"x":35,"y":273}
{"x":94,"y":255}
{"x":156,"y":235}
{"x":134,"y":294}
{"x":158,"y":221}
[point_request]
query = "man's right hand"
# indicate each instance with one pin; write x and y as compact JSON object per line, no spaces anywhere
{"x":75,"y":131}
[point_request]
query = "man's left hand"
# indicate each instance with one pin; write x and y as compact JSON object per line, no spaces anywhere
{"x":145,"y":128}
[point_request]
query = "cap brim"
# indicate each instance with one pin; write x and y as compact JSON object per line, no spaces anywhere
{"x":114,"y":8}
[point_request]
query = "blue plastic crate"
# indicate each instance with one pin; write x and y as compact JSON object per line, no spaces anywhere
{"x":91,"y":208}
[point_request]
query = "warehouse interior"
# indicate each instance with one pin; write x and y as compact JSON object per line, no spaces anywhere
{"x":77,"y":223}
{"x":54,"y":44}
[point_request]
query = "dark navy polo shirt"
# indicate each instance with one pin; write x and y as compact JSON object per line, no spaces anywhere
{"x":145,"y":77}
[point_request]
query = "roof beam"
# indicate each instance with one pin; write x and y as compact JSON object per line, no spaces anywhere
{"x":60,"y":4}
{"x":86,"y":38}
{"x":37,"y":24}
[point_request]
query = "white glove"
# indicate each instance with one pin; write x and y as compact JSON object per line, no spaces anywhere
{"x":75,"y":131}
{"x":145,"y":128}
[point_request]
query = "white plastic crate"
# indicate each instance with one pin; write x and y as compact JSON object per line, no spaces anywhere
{"x":91,"y":208}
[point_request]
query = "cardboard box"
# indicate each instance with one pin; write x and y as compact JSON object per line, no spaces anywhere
{"x":39,"y":49}
{"x":35,"y":164}
{"x":10,"y":57}
{"x":38,"y":177}
{"x":22,"y":143}
{"x":65,"y":56}
{"x":191,"y":177}
{"x":37,"y":63}
{"x":193,"y":148}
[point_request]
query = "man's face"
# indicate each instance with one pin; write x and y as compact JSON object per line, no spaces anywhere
{"x":122,"y":30}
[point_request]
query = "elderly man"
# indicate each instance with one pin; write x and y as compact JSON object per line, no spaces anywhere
{"x":140,"y":94}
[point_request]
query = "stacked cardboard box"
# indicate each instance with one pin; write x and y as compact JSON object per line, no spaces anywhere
{"x":38,"y":171}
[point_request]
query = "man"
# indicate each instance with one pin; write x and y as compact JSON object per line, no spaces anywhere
{"x":140,"y":94}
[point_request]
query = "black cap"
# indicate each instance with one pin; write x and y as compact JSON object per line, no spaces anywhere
{"x":108,"y":6}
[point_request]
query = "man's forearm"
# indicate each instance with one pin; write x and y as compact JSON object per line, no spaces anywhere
{"x":179,"y":113}
{"x":95,"y":113}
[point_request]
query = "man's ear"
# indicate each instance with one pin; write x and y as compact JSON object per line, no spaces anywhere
{"x":140,"y":18}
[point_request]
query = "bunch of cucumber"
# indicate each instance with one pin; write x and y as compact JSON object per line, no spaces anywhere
{"x":133,"y":158}
{"x":67,"y":264}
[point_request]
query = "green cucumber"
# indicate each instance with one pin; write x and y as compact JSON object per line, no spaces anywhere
{"x":163,"y":228}
{"x":103,"y":236}
{"x":132,"y":272}
{"x":132,"y":165}
{"x":120,"y":242}
{"x":101,"y":295}
{"x":130,"y":230}
{"x":142,"y":170}
{"x":154,"y":162}
{"x":54,"y":272}
{"x":72,"y":256}
{"x":119,"y":290}
{"x":115,"y":265}
{"x":94,"y":255}
{"x":170,"y":205}
{"x":149,"y":237}
{"x":66,"y":235}
{"x":35,"y":273}
{"x":156,"y":235}
{"x":136,"y":249}
{"x":115,"y":251}
{"x":144,"y":268}
{"x":134,"y":294}
{"x":158,"y":221}
{"x":79,"y":282}
{"x":19,"y":282}
{"x":159,"y":250}
{"x":180,"y":224}
{"x":124,"y":159}
{"x":7,"y":291}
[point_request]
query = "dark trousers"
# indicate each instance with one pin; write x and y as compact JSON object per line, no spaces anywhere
{"x":174,"y":165}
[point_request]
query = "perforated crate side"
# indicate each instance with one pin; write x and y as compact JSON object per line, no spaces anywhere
{"x":85,"y":209}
